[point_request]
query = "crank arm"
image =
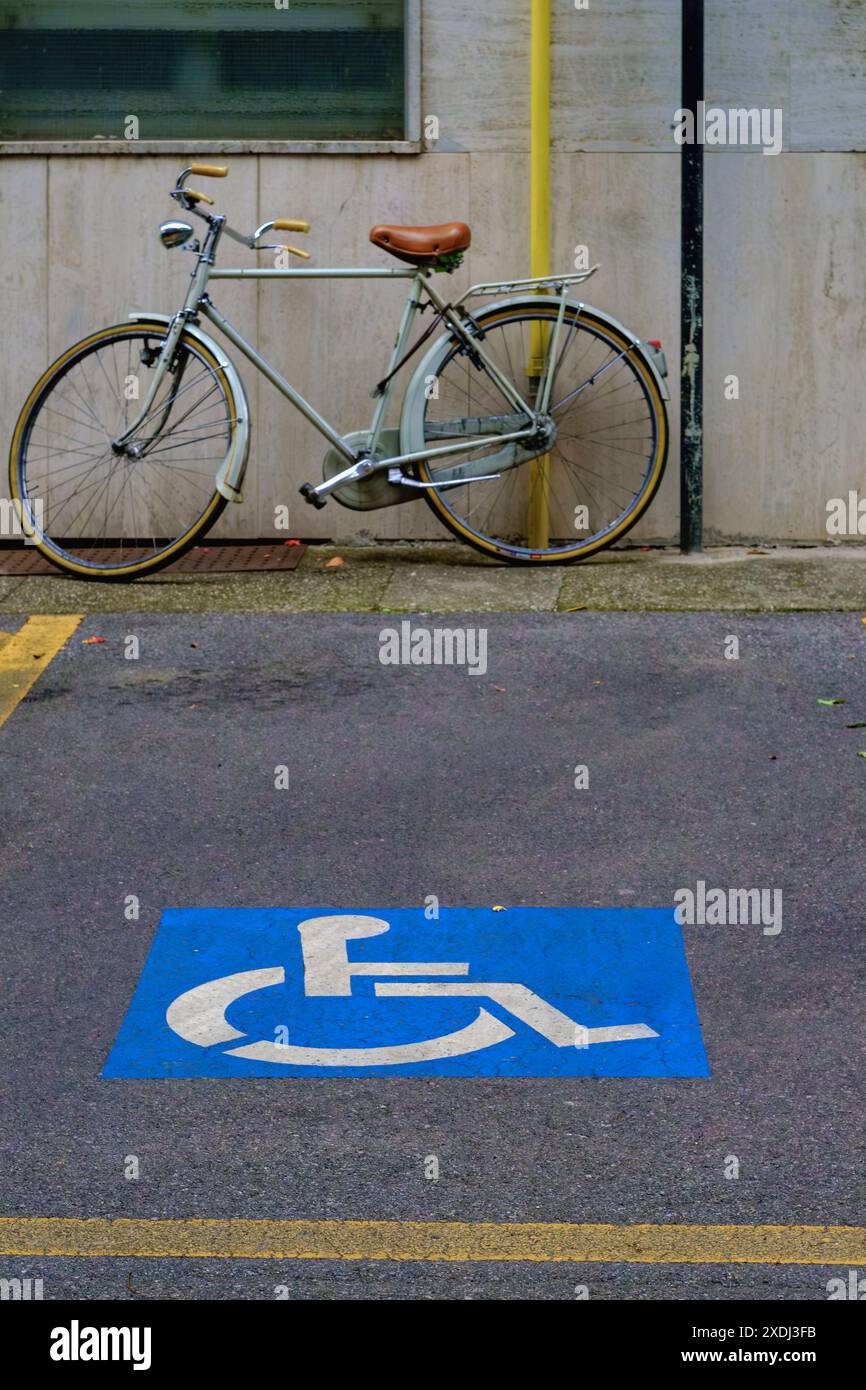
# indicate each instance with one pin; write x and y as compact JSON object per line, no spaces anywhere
{"x":362,"y":468}
{"x":316,"y":495}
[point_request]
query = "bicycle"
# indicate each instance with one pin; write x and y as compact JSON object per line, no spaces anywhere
{"x":535,"y":426}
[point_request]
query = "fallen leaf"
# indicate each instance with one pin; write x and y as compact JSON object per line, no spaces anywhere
{"x":861,"y":754}
{"x":860,"y":725}
{"x":333,"y":563}
{"x":497,"y":908}
{"x":774,"y":757}
{"x":291,"y":542}
{"x":830,"y":702}
{"x":500,"y":688}
{"x":578,"y":608}
{"x":89,"y":641}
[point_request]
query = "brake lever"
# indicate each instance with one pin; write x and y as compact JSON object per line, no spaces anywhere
{"x":278,"y":246}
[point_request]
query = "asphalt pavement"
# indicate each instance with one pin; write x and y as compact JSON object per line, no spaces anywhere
{"x":155,"y":777}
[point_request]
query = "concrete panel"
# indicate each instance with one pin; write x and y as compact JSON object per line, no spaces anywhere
{"x":808,"y":59}
{"x":828,"y":75}
{"x":23,"y":280}
{"x":499,"y":193}
{"x":785,"y":312}
{"x":475,"y":73}
{"x":616,"y":75}
{"x":748,"y":55}
{"x":625,"y":209}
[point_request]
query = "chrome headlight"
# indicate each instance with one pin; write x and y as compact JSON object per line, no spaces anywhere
{"x":174,"y":233}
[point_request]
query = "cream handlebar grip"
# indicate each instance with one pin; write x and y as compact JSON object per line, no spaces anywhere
{"x":296,"y":251}
{"x":198,"y":197}
{"x":209,"y":171}
{"x":290,"y":224}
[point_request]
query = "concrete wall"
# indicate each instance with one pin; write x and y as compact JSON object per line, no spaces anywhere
{"x":785,"y":260}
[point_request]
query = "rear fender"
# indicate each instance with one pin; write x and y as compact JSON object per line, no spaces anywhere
{"x":413,"y":408}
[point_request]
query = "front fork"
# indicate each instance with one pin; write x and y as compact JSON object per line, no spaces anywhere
{"x":198,"y":285}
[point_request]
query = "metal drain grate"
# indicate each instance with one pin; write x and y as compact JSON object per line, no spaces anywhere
{"x":203,"y":559}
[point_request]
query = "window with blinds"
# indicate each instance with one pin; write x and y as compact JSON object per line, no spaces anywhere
{"x":202,"y":70}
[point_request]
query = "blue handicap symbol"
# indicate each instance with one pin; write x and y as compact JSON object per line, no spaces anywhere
{"x":387,"y":992}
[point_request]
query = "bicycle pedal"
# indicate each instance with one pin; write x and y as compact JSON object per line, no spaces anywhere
{"x":310,"y":495}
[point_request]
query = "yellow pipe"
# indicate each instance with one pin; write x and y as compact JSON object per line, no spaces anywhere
{"x":540,"y":138}
{"x":538,"y":519}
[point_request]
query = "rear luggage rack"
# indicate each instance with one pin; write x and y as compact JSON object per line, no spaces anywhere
{"x":544,"y":282}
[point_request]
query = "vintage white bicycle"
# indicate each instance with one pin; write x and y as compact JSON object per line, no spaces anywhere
{"x":535,"y":426}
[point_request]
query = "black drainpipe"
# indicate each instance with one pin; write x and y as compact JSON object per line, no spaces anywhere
{"x":692,"y":287}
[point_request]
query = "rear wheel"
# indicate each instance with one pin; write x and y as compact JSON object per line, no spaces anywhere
{"x":608,"y":451}
{"x":99,"y":512}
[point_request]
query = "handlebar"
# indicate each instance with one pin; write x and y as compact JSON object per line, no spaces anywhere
{"x":290,"y":224}
{"x":188,"y":197}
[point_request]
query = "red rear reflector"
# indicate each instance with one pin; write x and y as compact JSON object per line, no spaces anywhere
{"x":656,"y":343}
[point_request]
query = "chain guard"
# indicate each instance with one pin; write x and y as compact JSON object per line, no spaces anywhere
{"x":368,"y":494}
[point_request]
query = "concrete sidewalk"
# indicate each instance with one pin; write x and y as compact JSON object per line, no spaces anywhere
{"x":444,"y":577}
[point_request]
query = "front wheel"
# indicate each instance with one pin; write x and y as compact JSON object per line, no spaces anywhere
{"x":609,"y":435}
{"x":102,"y":512}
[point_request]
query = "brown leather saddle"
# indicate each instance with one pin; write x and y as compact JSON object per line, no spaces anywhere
{"x":422,"y":245}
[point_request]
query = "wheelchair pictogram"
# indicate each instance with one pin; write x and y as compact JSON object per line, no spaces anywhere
{"x":198,"y":1015}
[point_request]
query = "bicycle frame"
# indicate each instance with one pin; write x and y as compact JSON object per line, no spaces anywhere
{"x":197,"y":302}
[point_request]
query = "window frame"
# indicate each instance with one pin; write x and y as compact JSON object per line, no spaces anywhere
{"x":410,"y":144}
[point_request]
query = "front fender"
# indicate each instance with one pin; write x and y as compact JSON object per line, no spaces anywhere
{"x":229,"y":478}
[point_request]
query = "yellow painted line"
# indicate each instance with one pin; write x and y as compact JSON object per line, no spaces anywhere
{"x":433,"y":1240}
{"x":25,"y":654}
